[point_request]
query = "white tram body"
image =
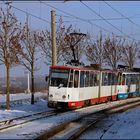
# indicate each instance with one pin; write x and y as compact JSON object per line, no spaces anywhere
{"x":76,"y":87}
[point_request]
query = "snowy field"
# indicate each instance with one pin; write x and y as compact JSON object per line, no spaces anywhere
{"x":20,"y":104}
{"x":124,"y":125}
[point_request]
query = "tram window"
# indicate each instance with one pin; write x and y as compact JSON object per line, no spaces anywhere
{"x":91,"y":79}
{"x":82,"y":75}
{"x":105,"y":79}
{"x":71,"y":79}
{"x":76,"y":79}
{"x":59,"y":76}
{"x":115,"y":79}
{"x":137,"y":78}
{"x":110,"y":79}
{"x":123,"y":79}
{"x":133,"y":79}
{"x":118,"y":78}
{"x":86,"y":79}
{"x":128,"y":79}
{"x":95,"y":80}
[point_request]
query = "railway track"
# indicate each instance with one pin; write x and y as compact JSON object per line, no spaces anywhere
{"x":18,"y":121}
{"x":73,"y":129}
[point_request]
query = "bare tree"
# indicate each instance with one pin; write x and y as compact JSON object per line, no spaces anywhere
{"x":113,"y":51}
{"x":9,"y":44}
{"x":95,"y":52}
{"x":30,"y":53}
{"x":130,"y":54}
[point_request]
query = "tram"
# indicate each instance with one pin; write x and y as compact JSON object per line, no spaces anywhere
{"x":72,"y":87}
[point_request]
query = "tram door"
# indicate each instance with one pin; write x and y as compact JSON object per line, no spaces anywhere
{"x":113,"y":83}
{"x":73,"y":89}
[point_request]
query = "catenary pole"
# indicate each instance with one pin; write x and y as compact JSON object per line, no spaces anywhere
{"x":53,"y":34}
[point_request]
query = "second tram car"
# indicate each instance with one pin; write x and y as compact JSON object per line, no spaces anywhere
{"x":128,"y":85}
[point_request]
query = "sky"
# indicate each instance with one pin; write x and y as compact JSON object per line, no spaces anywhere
{"x":119,"y":17}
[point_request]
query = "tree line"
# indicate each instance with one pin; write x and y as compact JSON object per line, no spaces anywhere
{"x":22,"y":45}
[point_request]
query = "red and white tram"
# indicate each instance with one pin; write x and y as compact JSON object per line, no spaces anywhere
{"x":76,"y":87}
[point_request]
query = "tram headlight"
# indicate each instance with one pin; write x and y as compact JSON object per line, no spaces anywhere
{"x":63,"y":96}
{"x":50,"y":95}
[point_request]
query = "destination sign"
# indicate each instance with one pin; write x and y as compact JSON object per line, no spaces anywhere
{"x":60,"y":70}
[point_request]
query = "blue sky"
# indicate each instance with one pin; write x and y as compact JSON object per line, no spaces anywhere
{"x":73,"y":11}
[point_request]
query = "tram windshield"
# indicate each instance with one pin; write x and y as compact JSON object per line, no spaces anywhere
{"x":59,"y":77}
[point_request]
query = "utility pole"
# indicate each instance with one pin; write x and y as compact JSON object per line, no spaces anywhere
{"x":53,"y":33}
{"x":32,"y":73}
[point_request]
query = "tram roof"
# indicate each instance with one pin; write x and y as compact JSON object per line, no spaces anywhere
{"x":80,"y":68}
{"x":130,"y":73}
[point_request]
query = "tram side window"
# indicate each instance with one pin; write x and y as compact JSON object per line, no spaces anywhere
{"x":115,"y":79}
{"x":96,"y":80}
{"x":82,"y":75}
{"x":110,"y":82}
{"x":87,"y":79}
{"x":71,"y":79}
{"x":123,"y":79}
{"x":105,"y":79}
{"x":128,"y":79}
{"x":133,"y":80}
{"x":118,"y":78}
{"x":137,"y":78}
{"x":76,"y":79}
{"x":91,"y":79}
{"x":112,"y":79}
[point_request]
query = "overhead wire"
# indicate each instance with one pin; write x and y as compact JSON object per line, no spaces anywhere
{"x":97,"y":19}
{"x":42,"y":19}
{"x":89,"y":21}
{"x":121,"y":14}
{"x":73,"y":16}
{"x":94,"y":19}
{"x":93,"y":11}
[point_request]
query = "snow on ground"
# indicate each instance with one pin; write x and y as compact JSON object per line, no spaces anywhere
{"x":22,"y":105}
{"x":125,"y":125}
